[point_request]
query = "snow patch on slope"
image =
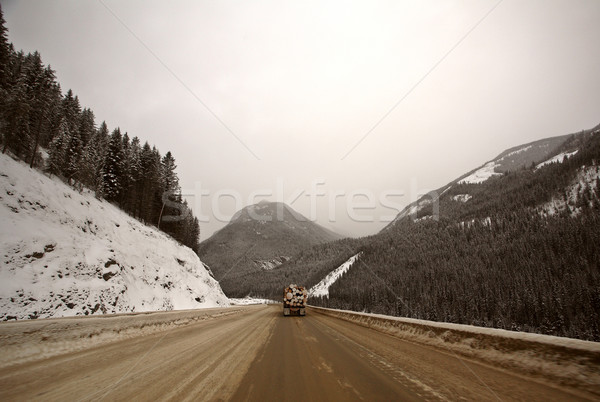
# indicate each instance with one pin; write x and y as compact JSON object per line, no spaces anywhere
{"x":268,"y":265}
{"x":462,"y":197}
{"x":322,"y":288}
{"x":586,"y":182}
{"x":414,"y":208}
{"x":481,"y":174}
{"x":66,"y":253}
{"x":518,"y":151}
{"x":557,"y":159}
{"x":484,"y":222}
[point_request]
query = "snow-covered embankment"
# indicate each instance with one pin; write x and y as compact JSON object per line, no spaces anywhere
{"x":34,"y":340}
{"x":568,"y":361}
{"x":66,"y":253}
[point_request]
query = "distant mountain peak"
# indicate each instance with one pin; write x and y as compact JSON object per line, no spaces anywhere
{"x":255,"y":239}
{"x":267,"y":211}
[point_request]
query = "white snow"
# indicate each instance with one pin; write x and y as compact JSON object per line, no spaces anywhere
{"x":467,"y":329}
{"x":462,"y":197}
{"x":445,"y":190}
{"x":268,"y":265}
{"x":518,"y":151}
{"x":545,"y":356}
{"x":485,"y":222}
{"x":414,"y":208}
{"x":586,"y":180}
{"x":66,"y":253}
{"x":556,"y":159}
{"x":246,"y":301}
{"x":33,"y":340}
{"x":481,"y":174}
{"x":322,"y":288}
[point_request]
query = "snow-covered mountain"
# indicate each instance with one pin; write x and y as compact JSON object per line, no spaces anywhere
{"x":66,"y":253}
{"x":538,"y":154}
{"x":511,"y":244}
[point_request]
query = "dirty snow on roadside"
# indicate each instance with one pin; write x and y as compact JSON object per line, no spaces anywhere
{"x":249,"y":300}
{"x":66,"y":253}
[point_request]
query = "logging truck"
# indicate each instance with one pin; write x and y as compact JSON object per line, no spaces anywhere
{"x":294,"y":300}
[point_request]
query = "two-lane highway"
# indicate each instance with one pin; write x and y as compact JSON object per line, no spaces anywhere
{"x":257,"y":354}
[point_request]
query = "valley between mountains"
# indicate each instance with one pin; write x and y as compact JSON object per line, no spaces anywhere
{"x":510,"y":245}
{"x":486,"y":288}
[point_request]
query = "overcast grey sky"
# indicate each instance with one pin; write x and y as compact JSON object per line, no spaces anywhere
{"x":300,"y":83}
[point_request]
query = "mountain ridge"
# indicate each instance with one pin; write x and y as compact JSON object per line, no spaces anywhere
{"x":509,"y":160}
{"x":514,"y":250}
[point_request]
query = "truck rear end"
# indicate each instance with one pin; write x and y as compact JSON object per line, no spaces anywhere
{"x":294,"y":300}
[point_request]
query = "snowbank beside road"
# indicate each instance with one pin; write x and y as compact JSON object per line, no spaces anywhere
{"x":246,"y":301}
{"x":31,"y":340}
{"x":568,"y":361}
{"x":66,"y":253}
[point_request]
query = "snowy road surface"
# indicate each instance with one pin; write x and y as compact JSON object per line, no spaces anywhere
{"x":257,"y":354}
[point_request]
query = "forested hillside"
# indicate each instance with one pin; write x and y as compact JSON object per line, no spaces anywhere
{"x":307,"y":267}
{"x":55,"y":133}
{"x":518,"y":251}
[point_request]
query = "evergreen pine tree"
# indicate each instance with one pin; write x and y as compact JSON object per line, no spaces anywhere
{"x":71,"y":110}
{"x":169,"y":179}
{"x":73,"y":158}
{"x":5,"y":54}
{"x":16,"y":134}
{"x":57,"y":151}
{"x":89,"y":164}
{"x":100,"y":144}
{"x":42,"y":94}
{"x":134,"y":173}
{"x":156,"y":202}
{"x":92,"y":152}
{"x":87,"y":126}
{"x":5,"y":61}
{"x":126,"y":179}
{"x":111,"y":171}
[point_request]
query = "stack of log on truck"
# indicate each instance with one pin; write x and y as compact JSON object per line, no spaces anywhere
{"x":294,"y":300}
